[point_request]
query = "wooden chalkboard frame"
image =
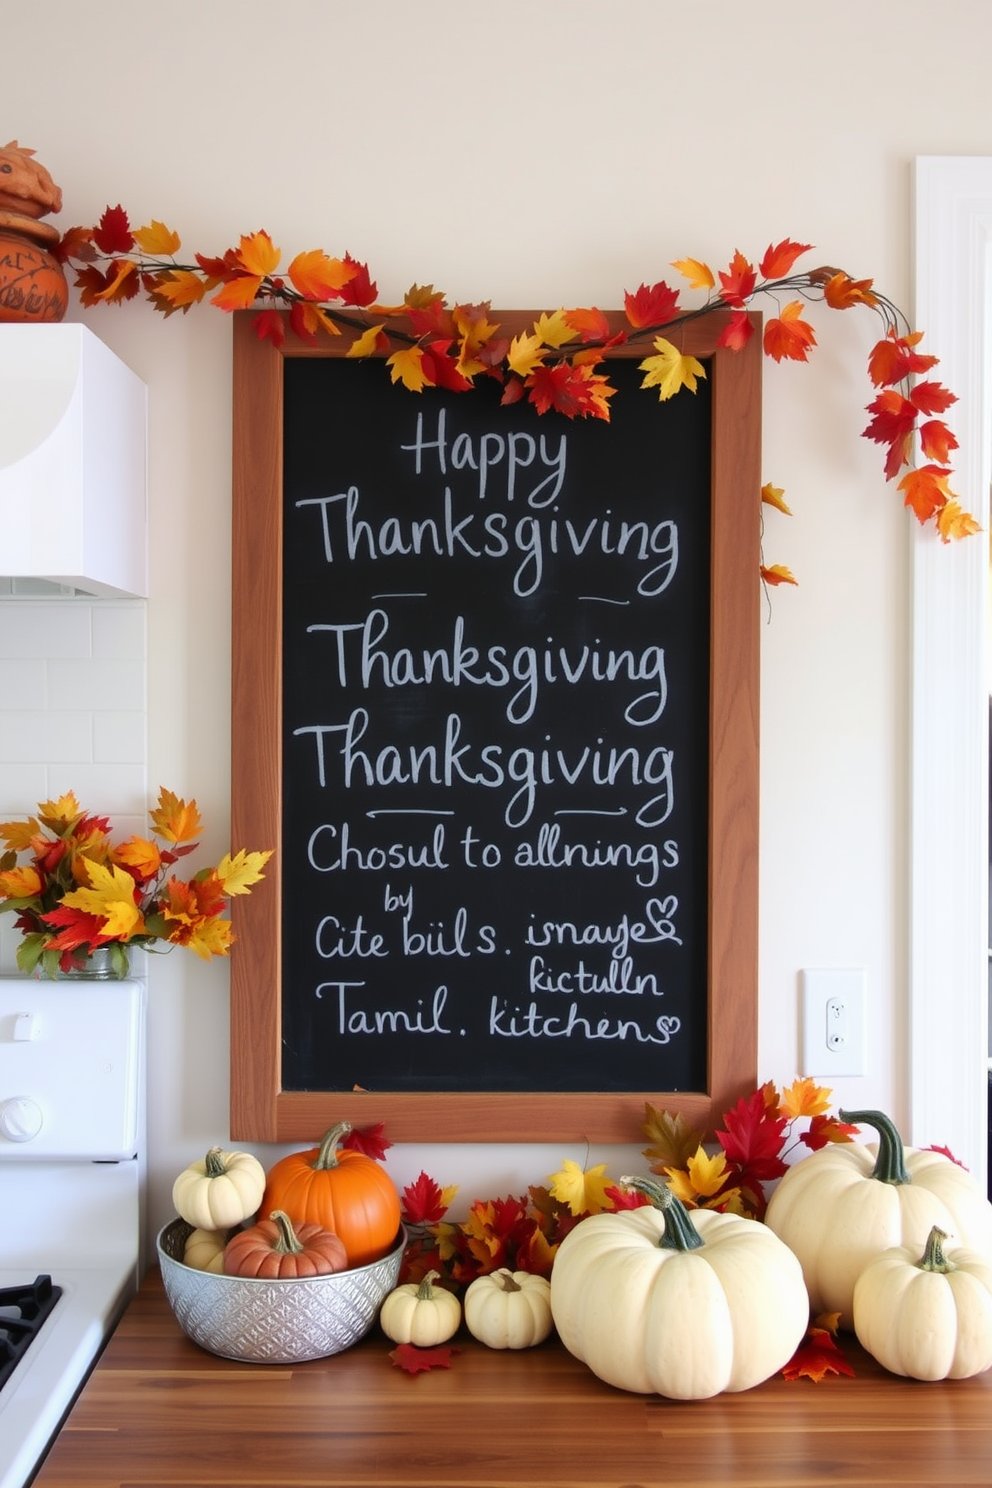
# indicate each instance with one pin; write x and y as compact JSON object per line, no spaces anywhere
{"x":260,"y":1109}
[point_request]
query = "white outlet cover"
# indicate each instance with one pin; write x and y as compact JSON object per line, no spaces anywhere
{"x":821,"y":988}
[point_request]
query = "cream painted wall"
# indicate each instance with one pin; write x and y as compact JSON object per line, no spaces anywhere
{"x":538,"y":154}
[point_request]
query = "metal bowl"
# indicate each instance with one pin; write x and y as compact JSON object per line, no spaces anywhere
{"x":273,"y":1322}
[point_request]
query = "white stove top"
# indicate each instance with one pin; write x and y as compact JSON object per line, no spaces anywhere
{"x":71,"y":1086}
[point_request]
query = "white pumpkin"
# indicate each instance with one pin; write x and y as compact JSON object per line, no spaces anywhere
{"x":842,"y":1206}
{"x":658,"y":1301}
{"x":509,"y":1309}
{"x":420,"y":1313}
{"x":204,"y":1250}
{"x":930,"y":1316}
{"x":220,"y":1190}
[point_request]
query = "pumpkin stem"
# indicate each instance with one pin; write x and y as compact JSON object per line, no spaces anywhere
{"x":680,"y":1232}
{"x":425,"y":1291}
{"x":506,"y":1281}
{"x":327,"y":1157}
{"x":933,"y":1258}
{"x":890,"y":1164}
{"x":214,"y":1164}
{"x":287,"y":1243}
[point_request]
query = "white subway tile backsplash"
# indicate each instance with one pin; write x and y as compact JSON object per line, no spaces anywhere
{"x":96,"y":685}
{"x":114,"y":790}
{"x":21,"y":788}
{"x":40,"y":629}
{"x":23,"y":684}
{"x":119,"y":738}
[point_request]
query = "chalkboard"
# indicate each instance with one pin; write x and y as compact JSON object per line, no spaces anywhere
{"x":478,"y":657}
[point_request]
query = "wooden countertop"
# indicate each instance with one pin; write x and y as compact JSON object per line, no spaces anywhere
{"x":158,"y":1412}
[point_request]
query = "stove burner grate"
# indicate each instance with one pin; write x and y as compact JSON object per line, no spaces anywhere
{"x":23,"y":1309}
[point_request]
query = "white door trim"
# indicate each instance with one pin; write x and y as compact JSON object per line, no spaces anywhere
{"x":948,"y":898}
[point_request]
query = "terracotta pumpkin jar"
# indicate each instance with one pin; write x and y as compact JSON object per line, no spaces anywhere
{"x":32,"y":281}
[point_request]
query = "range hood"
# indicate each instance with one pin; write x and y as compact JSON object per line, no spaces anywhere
{"x":73,"y":486}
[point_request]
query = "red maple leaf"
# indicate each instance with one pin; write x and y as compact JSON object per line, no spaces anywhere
{"x":441,"y":370}
{"x":370,"y":1140}
{"x":414,"y":1360}
{"x":946,"y":1152}
{"x":566,"y":388}
{"x":651,"y":306}
{"x":432,"y":319}
{"x":931,"y":397}
{"x":937,"y":441}
{"x":625,"y":1198}
{"x":423,"y":1202}
{"x":824,"y":1129}
{"x":894,"y":359}
{"x":816,"y":1356}
{"x":753,"y":1138}
{"x":268,"y":325}
{"x":360,"y":290}
{"x":738,"y":282}
{"x":737,"y":332}
{"x":894,"y":417}
{"x":788,"y":335}
{"x":113,"y":234}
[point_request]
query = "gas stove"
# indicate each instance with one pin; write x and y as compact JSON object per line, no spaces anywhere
{"x":71,"y":1168}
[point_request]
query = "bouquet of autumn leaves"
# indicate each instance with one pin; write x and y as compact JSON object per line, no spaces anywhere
{"x":77,"y":892}
{"x":752,"y":1149}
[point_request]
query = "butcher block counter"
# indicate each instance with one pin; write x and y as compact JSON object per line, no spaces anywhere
{"x":159,"y":1412}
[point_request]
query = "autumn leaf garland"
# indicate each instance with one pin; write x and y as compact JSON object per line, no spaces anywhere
{"x":558,"y":364}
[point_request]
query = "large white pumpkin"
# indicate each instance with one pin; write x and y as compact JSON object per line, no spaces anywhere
{"x":657,"y":1301}
{"x":842,"y":1206}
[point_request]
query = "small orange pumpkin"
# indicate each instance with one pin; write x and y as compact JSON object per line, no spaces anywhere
{"x":272,"y":1249}
{"x":343,"y":1190}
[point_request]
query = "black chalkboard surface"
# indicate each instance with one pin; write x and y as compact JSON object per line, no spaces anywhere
{"x":494,"y":737}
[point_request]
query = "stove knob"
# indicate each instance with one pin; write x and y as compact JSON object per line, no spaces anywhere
{"x":20,"y":1119}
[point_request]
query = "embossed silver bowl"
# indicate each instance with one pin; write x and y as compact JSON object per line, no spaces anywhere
{"x":273,"y":1322}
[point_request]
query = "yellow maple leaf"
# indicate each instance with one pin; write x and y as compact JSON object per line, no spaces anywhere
{"x":318,"y":277}
{"x":804,"y":1098}
{"x":407,"y":367}
{"x":554,"y":330}
{"x":472,"y":325}
{"x":583,"y":1190}
{"x":110,"y":896}
{"x":525,"y":353}
{"x":208,"y":937}
{"x":673,"y":1140}
{"x":175,"y":819}
{"x":774,"y":495}
{"x":697,"y":273}
{"x":372,"y":340}
{"x":258,"y":254}
{"x":237,"y":874}
{"x":57,"y":815}
{"x":954,"y":522}
{"x":158,"y":239}
{"x":180,"y":287}
{"x":18,"y":835}
{"x":670,"y":370}
{"x":707,"y":1173}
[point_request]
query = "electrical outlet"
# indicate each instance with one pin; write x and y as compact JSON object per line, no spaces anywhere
{"x":833,"y":1003}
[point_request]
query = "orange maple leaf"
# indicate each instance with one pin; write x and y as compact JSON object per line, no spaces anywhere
{"x":932,"y":397}
{"x":841,"y":292}
{"x":122,"y":283}
{"x":591,"y":325}
{"x":238,"y":293}
{"x":318,"y":277}
{"x":893,"y":359}
{"x":177,"y":289}
{"x":257,"y":254}
{"x":937,"y":441}
{"x":788,"y":335}
{"x":804,"y":1098}
{"x":778,"y":574}
{"x":369,"y":342}
{"x":780,"y":258}
{"x":926,"y":490}
{"x":175,"y":819}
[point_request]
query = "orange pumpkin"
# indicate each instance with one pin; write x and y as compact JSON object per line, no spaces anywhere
{"x":343,"y":1190}
{"x":273,"y":1250}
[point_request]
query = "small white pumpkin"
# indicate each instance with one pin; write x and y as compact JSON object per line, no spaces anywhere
{"x":204,"y":1250}
{"x":930,"y":1316}
{"x":220,"y":1190}
{"x":656,"y":1301}
{"x":842,"y":1206}
{"x":420,"y":1313}
{"x":509,"y":1309}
